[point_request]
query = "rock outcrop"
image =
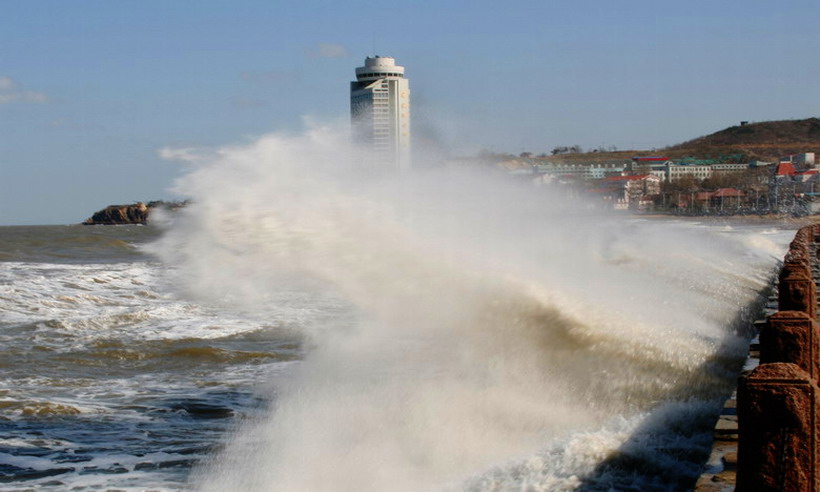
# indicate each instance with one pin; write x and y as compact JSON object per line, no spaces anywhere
{"x":136,"y":213}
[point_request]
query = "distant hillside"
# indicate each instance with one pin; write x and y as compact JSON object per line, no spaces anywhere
{"x":766,"y":140}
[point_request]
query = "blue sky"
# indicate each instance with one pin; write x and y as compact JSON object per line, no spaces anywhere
{"x":91,"y":90}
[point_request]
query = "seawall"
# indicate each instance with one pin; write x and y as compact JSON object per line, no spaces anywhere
{"x":768,"y":434}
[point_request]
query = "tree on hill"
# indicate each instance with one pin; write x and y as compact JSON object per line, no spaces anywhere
{"x":575,"y":149}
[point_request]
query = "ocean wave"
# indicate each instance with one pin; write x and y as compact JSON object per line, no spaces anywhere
{"x":37,"y":409}
{"x":72,"y":244}
{"x":491,"y":321}
{"x":69,"y":306}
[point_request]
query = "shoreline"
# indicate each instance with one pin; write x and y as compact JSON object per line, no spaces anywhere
{"x":750,"y":219}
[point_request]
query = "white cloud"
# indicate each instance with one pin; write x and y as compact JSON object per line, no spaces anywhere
{"x":177,"y":154}
{"x":328,"y":50}
{"x":188,"y":155}
{"x":11,"y":92}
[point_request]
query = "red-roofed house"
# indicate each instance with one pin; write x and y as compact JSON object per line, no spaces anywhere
{"x":785,"y":169}
{"x":808,"y":175}
{"x":727,"y":198}
{"x":728,"y":193}
{"x":721,"y":198}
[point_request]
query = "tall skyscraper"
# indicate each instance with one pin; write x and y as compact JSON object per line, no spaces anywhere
{"x":380,"y":112}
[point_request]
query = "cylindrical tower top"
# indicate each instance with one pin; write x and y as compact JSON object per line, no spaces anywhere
{"x":379,"y":67}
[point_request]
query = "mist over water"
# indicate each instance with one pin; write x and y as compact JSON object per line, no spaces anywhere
{"x":488,"y":335}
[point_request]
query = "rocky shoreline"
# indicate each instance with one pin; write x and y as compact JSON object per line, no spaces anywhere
{"x":136,"y":213}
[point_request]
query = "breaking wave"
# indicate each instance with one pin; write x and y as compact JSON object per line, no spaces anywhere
{"x":488,"y":336}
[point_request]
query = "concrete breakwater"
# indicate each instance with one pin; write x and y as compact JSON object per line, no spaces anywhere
{"x":768,"y":436}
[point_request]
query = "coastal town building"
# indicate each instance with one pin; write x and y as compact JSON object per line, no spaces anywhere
{"x":808,"y":176}
{"x":647,"y":164}
{"x":721,"y":185}
{"x":675,"y":172}
{"x":633,"y":192}
{"x":582,"y":171}
{"x":805,"y":159}
{"x":549,"y":169}
{"x":730,"y":167}
{"x":380,"y":113}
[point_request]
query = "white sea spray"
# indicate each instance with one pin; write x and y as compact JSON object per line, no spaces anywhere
{"x":492,"y":321}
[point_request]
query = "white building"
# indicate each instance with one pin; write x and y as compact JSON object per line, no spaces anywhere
{"x":380,"y":112}
{"x":804,"y":159}
{"x":675,"y":172}
{"x":700,"y":172}
{"x":583,"y":171}
{"x":729,"y":168}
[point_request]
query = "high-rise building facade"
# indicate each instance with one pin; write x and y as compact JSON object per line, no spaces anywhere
{"x":380,"y":112}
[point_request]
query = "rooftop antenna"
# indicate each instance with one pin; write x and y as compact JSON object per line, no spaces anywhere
{"x":374,"y":46}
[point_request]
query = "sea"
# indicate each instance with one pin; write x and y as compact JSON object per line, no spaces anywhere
{"x":298,"y":328}
{"x":114,"y":378}
{"x":111,"y":379}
